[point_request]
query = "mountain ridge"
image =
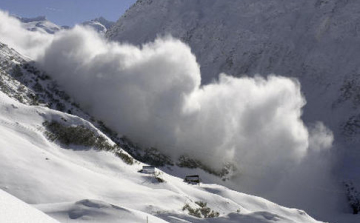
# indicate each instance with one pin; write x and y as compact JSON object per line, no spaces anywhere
{"x":43,"y":25}
{"x":100,"y":24}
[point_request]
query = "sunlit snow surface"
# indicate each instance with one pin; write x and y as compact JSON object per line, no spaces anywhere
{"x":13,"y":210}
{"x":79,"y":184}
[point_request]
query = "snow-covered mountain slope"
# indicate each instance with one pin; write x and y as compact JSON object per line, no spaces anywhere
{"x":16,"y":211}
{"x":44,"y":164}
{"x":40,"y":24}
{"x":75,"y":183}
{"x":20,"y":79}
{"x":100,"y":24}
{"x":315,"y":41}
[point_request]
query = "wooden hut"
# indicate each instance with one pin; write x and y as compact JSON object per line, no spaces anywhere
{"x":192,"y":179}
{"x":148,"y":169}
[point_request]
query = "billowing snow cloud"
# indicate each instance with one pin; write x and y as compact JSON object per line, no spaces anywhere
{"x":153,"y":95}
{"x":28,"y":43}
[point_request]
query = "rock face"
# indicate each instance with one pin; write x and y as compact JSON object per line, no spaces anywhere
{"x":316,"y":41}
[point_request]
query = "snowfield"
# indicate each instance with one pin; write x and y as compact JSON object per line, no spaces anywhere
{"x":16,"y":211}
{"x":79,"y":184}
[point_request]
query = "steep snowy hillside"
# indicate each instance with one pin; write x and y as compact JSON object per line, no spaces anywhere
{"x":64,"y":166}
{"x":316,"y":41}
{"x":40,"y":24}
{"x":16,"y":211}
{"x":20,"y":79}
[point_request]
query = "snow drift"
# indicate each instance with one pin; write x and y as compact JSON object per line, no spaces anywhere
{"x":16,"y":211}
{"x":153,"y":94}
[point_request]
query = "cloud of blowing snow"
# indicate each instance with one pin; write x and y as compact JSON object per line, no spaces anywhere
{"x":153,"y":95}
{"x":28,"y":43}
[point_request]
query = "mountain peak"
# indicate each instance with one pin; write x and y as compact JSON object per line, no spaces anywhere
{"x":104,"y":22}
{"x":34,"y":19}
{"x":100,"y":24}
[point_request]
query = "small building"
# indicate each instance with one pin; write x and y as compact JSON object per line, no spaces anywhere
{"x":148,"y":169}
{"x":192,"y":179}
